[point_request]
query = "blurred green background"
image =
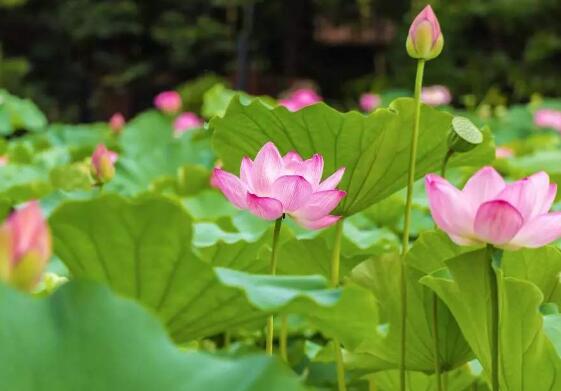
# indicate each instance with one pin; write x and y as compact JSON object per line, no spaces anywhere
{"x":82,"y":60}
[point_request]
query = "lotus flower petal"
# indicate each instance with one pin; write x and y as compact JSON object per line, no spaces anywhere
{"x":265,"y":207}
{"x":292,"y":191}
{"x":497,"y":222}
{"x":234,"y":190}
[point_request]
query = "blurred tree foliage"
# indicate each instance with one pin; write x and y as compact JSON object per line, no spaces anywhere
{"x":490,"y":45}
{"x":91,"y":57}
{"x":84,"y":59}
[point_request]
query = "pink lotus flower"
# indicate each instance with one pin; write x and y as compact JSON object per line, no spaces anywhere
{"x":185,"y":122}
{"x":369,"y":101}
{"x":548,"y":118}
{"x":436,"y":95}
{"x":274,"y":185}
{"x":3,"y":160}
{"x":300,"y":98}
{"x":103,"y":164}
{"x":25,"y":246}
{"x":117,"y":122}
{"x":425,"y":40}
{"x":504,"y":152}
{"x":488,"y":210}
{"x":168,"y":102}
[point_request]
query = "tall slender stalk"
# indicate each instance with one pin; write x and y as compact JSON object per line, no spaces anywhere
{"x":493,"y":290}
{"x":437,"y":367}
{"x":335,"y":267}
{"x":407,"y":220}
{"x":274,"y":255}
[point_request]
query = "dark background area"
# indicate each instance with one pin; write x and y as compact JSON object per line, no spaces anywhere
{"x":81,"y":60}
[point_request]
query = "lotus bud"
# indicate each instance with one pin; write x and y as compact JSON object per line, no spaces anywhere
{"x":103,"y":164}
{"x":185,"y":122}
{"x":25,"y":247}
{"x":117,"y":122}
{"x":168,"y":102}
{"x":368,"y":102}
{"x":464,"y":135}
{"x":425,"y":40}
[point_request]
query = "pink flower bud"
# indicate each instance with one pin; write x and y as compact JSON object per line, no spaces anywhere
{"x":548,"y":118}
{"x":117,"y":122}
{"x":488,"y":210}
{"x":425,"y":40}
{"x":185,"y":122}
{"x":368,"y":102}
{"x":168,"y":102}
{"x":436,"y":95}
{"x":25,"y":247}
{"x":273,"y":185}
{"x":103,"y":164}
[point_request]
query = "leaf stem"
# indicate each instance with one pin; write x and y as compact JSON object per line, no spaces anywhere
{"x":493,"y":291}
{"x":335,"y":268}
{"x":274,"y":255}
{"x":407,"y":220}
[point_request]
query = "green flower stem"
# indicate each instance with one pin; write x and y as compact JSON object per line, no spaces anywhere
{"x":274,"y":256}
{"x":336,"y":254}
{"x":495,"y":318}
{"x":335,"y":267}
{"x":437,"y":364}
{"x":283,"y":339}
{"x":407,"y":220}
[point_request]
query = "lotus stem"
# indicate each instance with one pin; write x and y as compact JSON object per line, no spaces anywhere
{"x":274,"y":256}
{"x":407,"y":222}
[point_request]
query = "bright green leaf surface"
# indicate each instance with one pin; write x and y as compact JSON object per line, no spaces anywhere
{"x":142,"y":249}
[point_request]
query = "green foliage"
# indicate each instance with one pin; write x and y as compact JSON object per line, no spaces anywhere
{"x":83,"y":328}
{"x":373,"y":148}
{"x":19,"y":114}
{"x":143,"y":250}
{"x":529,"y":358}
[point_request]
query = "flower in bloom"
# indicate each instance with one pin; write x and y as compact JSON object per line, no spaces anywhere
{"x":273,"y":185}
{"x":548,"y":118}
{"x":168,"y":101}
{"x":117,"y":122}
{"x":103,"y":164}
{"x":488,"y":210}
{"x":3,"y":160}
{"x":369,"y":101}
{"x":300,"y":98}
{"x":504,"y":152}
{"x":25,"y":246}
{"x":185,"y":122}
{"x":436,"y":95}
{"x":425,"y":40}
